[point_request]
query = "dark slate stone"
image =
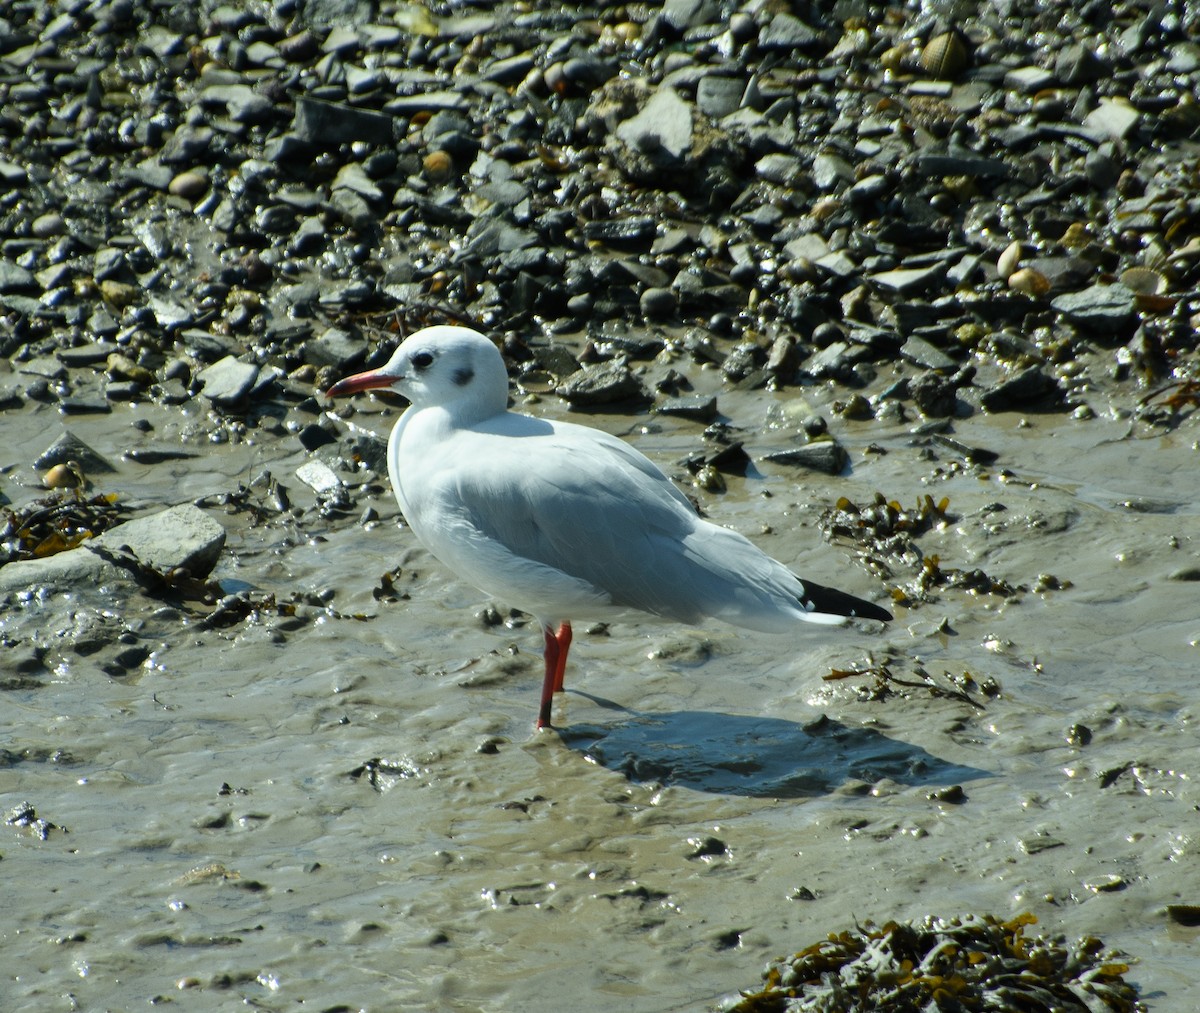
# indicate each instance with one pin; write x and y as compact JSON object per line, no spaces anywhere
{"x":326,"y":124}
{"x":697,"y":407}
{"x":827,"y":456}
{"x":1100,"y":307}
{"x":1026,"y":387}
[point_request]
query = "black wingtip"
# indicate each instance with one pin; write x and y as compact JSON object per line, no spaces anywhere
{"x":838,"y":603}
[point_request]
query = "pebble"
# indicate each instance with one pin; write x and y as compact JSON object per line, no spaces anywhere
{"x":228,"y":381}
{"x":1026,"y":387}
{"x":680,"y":168}
{"x":188,"y":184}
{"x":826,"y":456}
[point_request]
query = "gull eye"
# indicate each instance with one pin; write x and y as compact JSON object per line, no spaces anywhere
{"x":422,"y":360}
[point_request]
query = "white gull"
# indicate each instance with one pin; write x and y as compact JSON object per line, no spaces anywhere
{"x":563,"y":521}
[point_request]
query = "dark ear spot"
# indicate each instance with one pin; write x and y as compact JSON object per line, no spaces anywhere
{"x":463,"y":375}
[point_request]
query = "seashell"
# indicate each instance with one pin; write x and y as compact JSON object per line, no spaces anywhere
{"x":1009,"y":259}
{"x":945,"y":56}
{"x":63,"y":476}
{"x":1029,"y":281}
{"x":1144,"y":281}
{"x":437,"y":165}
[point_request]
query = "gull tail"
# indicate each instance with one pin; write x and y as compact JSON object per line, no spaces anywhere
{"x":828,"y":601}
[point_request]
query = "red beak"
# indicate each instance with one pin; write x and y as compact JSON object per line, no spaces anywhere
{"x":371,"y":379}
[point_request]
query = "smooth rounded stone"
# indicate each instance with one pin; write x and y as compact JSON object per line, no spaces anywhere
{"x":48,"y":225}
{"x":299,"y":48}
{"x":580,"y":305}
{"x":606,"y":383}
{"x":827,"y":456}
{"x":657,"y":303}
{"x":509,"y":70}
{"x":11,"y":174}
{"x":588,"y":72}
{"x":681,"y":15}
{"x":228,"y":381}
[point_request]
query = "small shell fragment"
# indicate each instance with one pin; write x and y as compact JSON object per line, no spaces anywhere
{"x":1144,"y":281}
{"x":1029,"y":281}
{"x":63,"y":476}
{"x":945,"y":56}
{"x":1009,"y":259}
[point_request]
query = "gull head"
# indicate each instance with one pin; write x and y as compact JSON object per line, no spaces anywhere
{"x":454,"y":368}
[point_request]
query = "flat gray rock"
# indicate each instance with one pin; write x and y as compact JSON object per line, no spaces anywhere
{"x":664,"y":125}
{"x":14,"y":278}
{"x":181,"y":536}
{"x":606,"y":383}
{"x":228,"y":380}
{"x":1099,"y":306}
{"x":908,"y":280}
{"x":786,"y":31}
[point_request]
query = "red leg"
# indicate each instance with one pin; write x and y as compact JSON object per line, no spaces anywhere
{"x":564,"y":645}
{"x":557,"y":646}
{"x":551,"y":657}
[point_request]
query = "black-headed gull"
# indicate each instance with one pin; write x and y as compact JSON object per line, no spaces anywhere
{"x":563,"y":521}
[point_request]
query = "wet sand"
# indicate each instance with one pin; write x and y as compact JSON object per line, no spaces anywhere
{"x":346,"y":812}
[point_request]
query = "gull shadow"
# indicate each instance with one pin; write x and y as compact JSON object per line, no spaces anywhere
{"x":762,"y":757}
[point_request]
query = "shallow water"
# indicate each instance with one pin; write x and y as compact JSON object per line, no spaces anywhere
{"x":323,"y":809}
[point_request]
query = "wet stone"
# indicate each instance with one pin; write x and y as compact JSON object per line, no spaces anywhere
{"x":336,"y":348}
{"x":922,"y":353}
{"x":14,"y":278}
{"x":325,"y":124}
{"x":228,"y":381}
{"x":696,"y":407}
{"x":69,"y":447}
{"x":826,"y":456}
{"x":786,"y":31}
{"x":607,"y":383}
{"x":1100,"y":307}
{"x":663,"y":127}
{"x":1029,"y":386}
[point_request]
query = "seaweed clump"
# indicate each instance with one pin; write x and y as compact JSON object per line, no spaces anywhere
{"x":951,"y":964}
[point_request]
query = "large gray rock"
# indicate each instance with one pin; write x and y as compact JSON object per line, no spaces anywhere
{"x":181,"y":536}
{"x":664,"y":126}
